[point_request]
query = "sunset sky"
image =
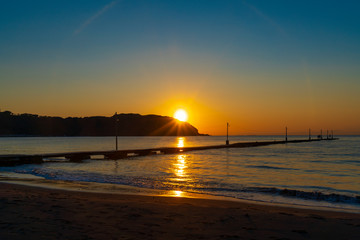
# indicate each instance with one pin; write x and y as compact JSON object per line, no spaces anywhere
{"x":259,"y":65}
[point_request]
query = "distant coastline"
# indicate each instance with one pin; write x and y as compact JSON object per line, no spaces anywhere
{"x":32,"y":125}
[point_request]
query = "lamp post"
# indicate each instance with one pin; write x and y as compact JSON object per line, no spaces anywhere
{"x":227,"y":133}
{"x":321,"y":134}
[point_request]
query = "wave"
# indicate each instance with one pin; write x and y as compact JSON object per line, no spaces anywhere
{"x":270,"y":167}
{"x":292,"y":193}
{"x":313,"y":195}
{"x":208,"y":187}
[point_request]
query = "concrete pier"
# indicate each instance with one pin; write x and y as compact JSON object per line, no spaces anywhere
{"x":18,"y":159}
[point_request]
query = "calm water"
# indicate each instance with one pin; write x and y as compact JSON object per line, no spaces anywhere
{"x":316,"y":174}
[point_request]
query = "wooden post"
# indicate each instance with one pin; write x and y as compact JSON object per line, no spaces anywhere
{"x":309,"y":134}
{"x":116,"y":131}
{"x":286,"y":134}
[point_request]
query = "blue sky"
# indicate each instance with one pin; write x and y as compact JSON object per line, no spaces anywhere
{"x":271,"y":29}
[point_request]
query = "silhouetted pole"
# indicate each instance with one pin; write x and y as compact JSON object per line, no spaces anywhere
{"x":286,"y":134}
{"x":116,"y":131}
{"x":321,"y":134}
{"x":227,"y":133}
{"x":327,"y":134}
{"x":309,"y":134}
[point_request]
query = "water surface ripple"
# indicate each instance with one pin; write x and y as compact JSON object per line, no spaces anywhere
{"x":323,"y":173}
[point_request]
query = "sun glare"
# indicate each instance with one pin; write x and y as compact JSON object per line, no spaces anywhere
{"x":181,"y":115}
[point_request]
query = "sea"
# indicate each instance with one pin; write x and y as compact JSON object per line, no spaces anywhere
{"x":319,"y":174}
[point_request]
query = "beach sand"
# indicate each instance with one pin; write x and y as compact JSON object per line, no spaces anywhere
{"x":40,"y":213}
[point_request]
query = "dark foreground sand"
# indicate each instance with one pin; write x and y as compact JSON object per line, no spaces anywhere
{"x":37,"y":213}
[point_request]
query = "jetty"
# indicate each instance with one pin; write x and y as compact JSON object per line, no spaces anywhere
{"x":20,"y":159}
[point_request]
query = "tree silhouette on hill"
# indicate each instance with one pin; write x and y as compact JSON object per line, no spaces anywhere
{"x":127,"y":125}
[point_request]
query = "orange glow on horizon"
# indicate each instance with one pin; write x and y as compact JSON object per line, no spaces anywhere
{"x":209,"y":116}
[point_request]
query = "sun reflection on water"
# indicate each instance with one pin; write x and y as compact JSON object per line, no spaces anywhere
{"x":180,"y":167}
{"x":178,"y":193}
{"x":180,"y":143}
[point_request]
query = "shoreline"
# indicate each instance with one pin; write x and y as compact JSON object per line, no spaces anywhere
{"x":45,"y":213}
{"x":118,"y":189}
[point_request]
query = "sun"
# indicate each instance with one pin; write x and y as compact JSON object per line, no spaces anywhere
{"x":181,"y":115}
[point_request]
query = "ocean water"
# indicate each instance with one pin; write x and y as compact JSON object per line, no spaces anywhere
{"x":315,"y":174}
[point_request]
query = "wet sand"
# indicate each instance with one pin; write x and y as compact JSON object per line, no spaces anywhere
{"x":39,"y":213}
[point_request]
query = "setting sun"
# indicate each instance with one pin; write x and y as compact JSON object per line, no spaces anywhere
{"x":181,"y":115}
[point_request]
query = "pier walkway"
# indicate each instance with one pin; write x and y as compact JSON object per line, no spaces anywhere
{"x":18,"y":159}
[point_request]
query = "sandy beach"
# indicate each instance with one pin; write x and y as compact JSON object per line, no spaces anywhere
{"x":40,"y":213}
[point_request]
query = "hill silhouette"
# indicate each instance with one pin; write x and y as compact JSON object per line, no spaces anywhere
{"x":127,"y":125}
